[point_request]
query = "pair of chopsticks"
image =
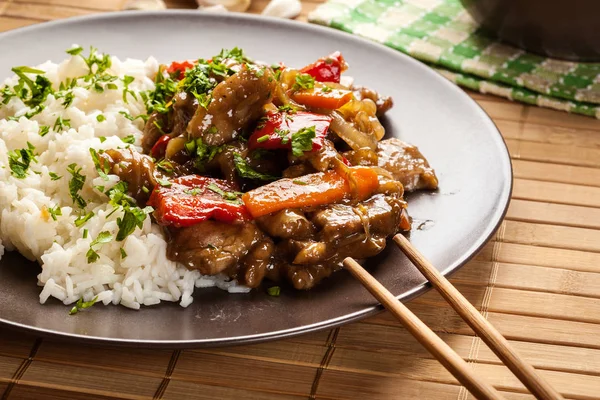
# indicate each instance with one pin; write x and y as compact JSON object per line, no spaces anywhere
{"x":537,"y":385}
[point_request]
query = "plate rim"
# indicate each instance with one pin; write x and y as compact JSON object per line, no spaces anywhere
{"x":492,"y":227}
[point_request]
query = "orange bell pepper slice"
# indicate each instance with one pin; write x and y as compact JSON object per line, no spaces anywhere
{"x":311,"y":190}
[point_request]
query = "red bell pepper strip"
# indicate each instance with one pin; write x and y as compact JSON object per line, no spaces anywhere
{"x":327,"y":69}
{"x":177,"y":69}
{"x":191,"y":199}
{"x":279,"y":129}
{"x":160,"y":147}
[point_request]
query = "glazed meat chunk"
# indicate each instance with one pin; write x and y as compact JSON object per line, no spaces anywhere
{"x":211,"y":246}
{"x":406,"y":164}
{"x":236,"y":102}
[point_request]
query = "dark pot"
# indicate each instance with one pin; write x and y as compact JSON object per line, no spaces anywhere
{"x":554,"y":28}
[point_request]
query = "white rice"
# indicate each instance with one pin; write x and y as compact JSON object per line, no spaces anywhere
{"x":145,"y":276}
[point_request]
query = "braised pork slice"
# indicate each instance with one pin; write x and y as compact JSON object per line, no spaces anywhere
{"x":236,"y":102}
{"x":211,"y":246}
{"x":406,"y":164}
{"x":134,"y":168}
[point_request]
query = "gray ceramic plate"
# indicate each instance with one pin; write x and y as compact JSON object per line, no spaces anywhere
{"x":458,"y":138}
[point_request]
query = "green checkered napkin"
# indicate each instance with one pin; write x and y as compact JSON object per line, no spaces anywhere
{"x":442,"y":34}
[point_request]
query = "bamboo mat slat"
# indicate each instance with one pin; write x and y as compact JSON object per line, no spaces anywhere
{"x":538,"y":282}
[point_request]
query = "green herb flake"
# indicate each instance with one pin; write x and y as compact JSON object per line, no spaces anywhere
{"x":129,"y":139}
{"x":133,"y":217}
{"x":245,"y":171}
{"x":102,"y":238}
{"x":54,"y":212}
{"x":193,"y":191}
{"x":20,"y":160}
{"x":44,"y":130}
{"x":75,"y":50}
{"x":126,"y":115}
{"x":76,"y":184}
{"x":229,"y":196}
{"x":82,"y":219}
{"x":165,"y":166}
{"x":100,"y":118}
{"x":123,"y":254}
{"x":164,"y":183}
{"x":326,"y":89}
{"x":54,"y":176}
{"x":102,"y":166}
{"x":61,"y":124}
{"x":303,"y":81}
{"x":297,"y":182}
{"x":288,"y":108}
{"x":32,"y":92}
{"x":302,"y":140}
{"x":85,"y":234}
{"x":82,"y":305}
{"x":262,"y":139}
{"x":274,"y":291}
{"x":127,"y":80}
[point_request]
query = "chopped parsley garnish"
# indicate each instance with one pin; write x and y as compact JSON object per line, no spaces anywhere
{"x":303,"y":140}
{"x":44,"y":129}
{"x":82,"y":305}
{"x":75,"y":50}
{"x":284,"y":134}
{"x":262,"y":139}
{"x":54,"y":212}
{"x":98,"y":78}
{"x":194,"y":191}
{"x":76,"y":184}
{"x":102,"y":139}
{"x":32,"y":93}
{"x":200,"y":80}
{"x":102,"y":167}
{"x":257,"y":154}
{"x":102,"y":238}
{"x":326,"y":89}
{"x":82,"y":219}
{"x":54,"y":176}
{"x":164,"y":183}
{"x":288,"y":109}
{"x":165,"y":166}
{"x":68,"y":98}
{"x":126,"y":82}
{"x":126,"y":115}
{"x":164,"y":89}
{"x":202,"y":152}
{"x":297,"y":182}
{"x":133,"y":216}
{"x":20,"y":160}
{"x":245,"y":171}
{"x":303,"y":81}
{"x":229,"y":196}
{"x":129,"y":139}
{"x":61,"y":124}
{"x":123,"y":253}
{"x":100,"y":118}
{"x":85,"y":234}
{"x":274,"y":291}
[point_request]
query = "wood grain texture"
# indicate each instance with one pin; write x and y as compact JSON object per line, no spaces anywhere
{"x":538,"y":282}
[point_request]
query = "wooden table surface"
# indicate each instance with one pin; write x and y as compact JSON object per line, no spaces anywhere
{"x":538,"y":281}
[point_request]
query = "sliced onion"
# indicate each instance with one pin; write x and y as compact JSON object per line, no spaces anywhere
{"x":349,"y":134}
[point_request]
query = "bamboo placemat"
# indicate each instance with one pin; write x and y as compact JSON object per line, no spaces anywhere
{"x":538,"y":282}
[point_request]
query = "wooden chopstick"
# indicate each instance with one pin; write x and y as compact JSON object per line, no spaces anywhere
{"x":432,"y":342}
{"x":536,"y":384}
